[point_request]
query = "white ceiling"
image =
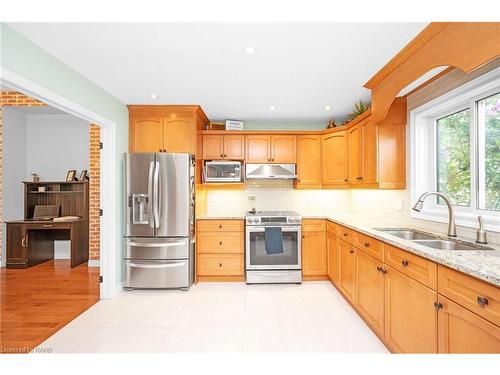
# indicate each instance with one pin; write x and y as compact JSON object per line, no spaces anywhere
{"x":298,"y":68}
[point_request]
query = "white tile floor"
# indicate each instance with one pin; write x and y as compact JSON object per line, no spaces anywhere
{"x":221,"y":317}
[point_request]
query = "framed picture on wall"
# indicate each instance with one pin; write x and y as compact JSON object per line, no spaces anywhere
{"x":71,"y":175}
{"x":84,"y":176}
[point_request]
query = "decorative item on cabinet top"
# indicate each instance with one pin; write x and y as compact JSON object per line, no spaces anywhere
{"x":234,"y":125}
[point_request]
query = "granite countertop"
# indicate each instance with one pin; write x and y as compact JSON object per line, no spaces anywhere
{"x":483,"y":264}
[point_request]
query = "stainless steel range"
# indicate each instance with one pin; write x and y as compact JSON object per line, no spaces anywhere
{"x":273,"y":247}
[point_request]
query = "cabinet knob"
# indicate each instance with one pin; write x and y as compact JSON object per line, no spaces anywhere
{"x":351,"y":251}
{"x":405,"y":263}
{"x":220,"y":264}
{"x":344,"y":234}
{"x":303,"y":236}
{"x":221,"y":155}
{"x":379,"y":269}
{"x":367,"y":244}
{"x":220,"y":226}
{"x":438,"y":305}
{"x":359,"y":178}
{"x":220,"y":242}
{"x":482,"y":301}
{"x":345,"y":179}
{"x":384,"y":271}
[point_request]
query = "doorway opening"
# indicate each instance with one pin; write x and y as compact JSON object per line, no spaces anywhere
{"x":50,"y":267}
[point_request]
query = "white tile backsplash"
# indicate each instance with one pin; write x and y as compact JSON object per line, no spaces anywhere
{"x":386,"y":207}
{"x":276,"y":195}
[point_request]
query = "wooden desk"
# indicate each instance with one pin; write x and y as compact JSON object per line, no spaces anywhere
{"x":32,"y":242}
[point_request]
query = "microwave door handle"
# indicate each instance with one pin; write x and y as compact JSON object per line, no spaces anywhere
{"x":151,"y":218}
{"x":156,"y":193}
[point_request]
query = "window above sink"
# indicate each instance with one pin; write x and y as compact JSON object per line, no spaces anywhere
{"x":455,"y":149}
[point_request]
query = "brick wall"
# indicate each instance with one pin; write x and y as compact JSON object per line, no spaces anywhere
{"x":95,"y":193}
{"x":16,"y":99}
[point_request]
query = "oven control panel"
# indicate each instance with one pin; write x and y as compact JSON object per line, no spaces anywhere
{"x":273,"y":220}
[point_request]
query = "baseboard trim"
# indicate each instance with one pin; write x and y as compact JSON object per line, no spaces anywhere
{"x":94,"y":263}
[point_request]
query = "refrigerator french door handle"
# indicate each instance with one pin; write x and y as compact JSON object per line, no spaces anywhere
{"x":161,"y":244}
{"x":150,"y":195}
{"x":156,"y":194}
{"x":163,"y":265}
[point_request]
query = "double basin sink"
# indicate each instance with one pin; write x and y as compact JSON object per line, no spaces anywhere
{"x":432,"y":241}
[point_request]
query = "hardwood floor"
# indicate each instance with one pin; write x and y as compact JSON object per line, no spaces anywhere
{"x":36,"y":302}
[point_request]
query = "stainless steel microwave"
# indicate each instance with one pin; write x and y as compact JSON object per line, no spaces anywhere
{"x":223,"y":171}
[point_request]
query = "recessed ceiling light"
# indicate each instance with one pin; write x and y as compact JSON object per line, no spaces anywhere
{"x":272,"y":108}
{"x":153,"y":96}
{"x":249,"y":50}
{"x":327,"y":107}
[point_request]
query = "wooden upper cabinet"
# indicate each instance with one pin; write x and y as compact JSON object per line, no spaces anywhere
{"x":179,"y":132}
{"x":231,"y":147}
{"x":234,"y":147}
{"x":213,"y":147}
{"x":355,"y":154}
{"x":165,"y":128}
{"x":334,"y":165}
{"x":308,"y":162}
{"x":410,"y":315}
{"x":146,"y":134}
{"x":258,"y":148}
{"x":463,"y":332}
{"x":283,"y":149}
{"x":369,"y":155}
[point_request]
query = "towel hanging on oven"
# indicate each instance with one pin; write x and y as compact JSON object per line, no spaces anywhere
{"x":273,"y":238}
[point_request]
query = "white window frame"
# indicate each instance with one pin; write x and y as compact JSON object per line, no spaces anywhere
{"x":423,"y":151}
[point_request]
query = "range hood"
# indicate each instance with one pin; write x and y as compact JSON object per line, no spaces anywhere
{"x":270,"y":171}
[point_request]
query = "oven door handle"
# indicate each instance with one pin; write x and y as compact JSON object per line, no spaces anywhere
{"x":284,"y":229}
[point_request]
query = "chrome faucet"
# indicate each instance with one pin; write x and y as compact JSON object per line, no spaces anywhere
{"x":452,"y":232}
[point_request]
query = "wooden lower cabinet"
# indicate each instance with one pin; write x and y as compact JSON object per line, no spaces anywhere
{"x":369,"y":291}
{"x":410,"y":315}
{"x":314,"y":262}
{"x":17,"y":246}
{"x":347,"y":269}
{"x":462,"y":331}
{"x":332,"y":257}
{"x":220,"y":250}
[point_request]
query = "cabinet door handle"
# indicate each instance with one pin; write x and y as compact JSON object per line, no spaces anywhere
{"x":379,"y":269}
{"x":351,"y":251}
{"x":359,"y":178}
{"x":220,"y":264}
{"x":23,"y":243}
{"x":405,"y":263}
{"x":220,"y":243}
{"x":482,"y":301}
{"x":383,"y":271}
{"x":438,"y":305}
{"x":344,"y":234}
{"x":367,"y":244}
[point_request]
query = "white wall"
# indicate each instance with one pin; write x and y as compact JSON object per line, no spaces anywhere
{"x":56,"y":144}
{"x":49,"y":144}
{"x":14,"y":165}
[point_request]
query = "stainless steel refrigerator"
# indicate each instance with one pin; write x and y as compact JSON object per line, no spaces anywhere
{"x":159,"y":225}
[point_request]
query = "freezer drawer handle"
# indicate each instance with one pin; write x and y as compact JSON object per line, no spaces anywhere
{"x":166,"y":244}
{"x":167,"y":265}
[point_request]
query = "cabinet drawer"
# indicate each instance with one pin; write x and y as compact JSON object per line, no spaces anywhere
{"x":369,"y":245}
{"x":220,"y":265}
{"x":220,"y":225}
{"x":471,"y":293}
{"x":420,"y":269}
{"x":227,"y":242}
{"x":331,"y":227}
{"x":345,"y":234}
{"x":313,"y":225}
